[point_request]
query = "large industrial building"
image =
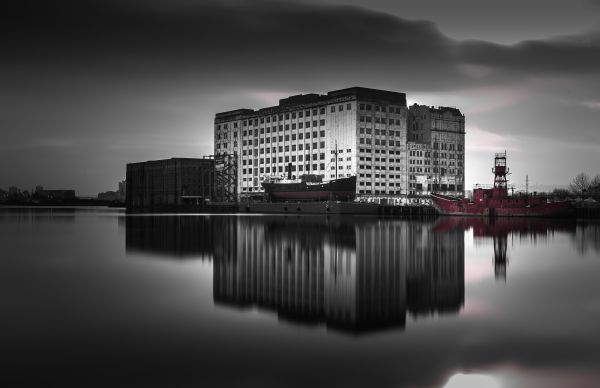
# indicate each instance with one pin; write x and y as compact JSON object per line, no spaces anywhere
{"x":355,"y":131}
{"x":169,"y":183}
{"x":436,"y":150}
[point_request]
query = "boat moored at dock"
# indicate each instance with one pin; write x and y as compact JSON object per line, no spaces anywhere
{"x":496,"y":202}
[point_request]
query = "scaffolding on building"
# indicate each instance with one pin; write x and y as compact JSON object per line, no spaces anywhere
{"x":225,"y":187}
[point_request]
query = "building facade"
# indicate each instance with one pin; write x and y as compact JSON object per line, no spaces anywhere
{"x":168,"y":183}
{"x":364,"y":129}
{"x":360,"y":132}
{"x":435,"y":151}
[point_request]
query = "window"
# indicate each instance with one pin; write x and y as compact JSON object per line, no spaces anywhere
{"x":322,"y":122}
{"x":332,"y":108}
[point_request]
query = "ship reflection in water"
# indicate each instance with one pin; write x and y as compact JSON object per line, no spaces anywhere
{"x":499,"y":230}
{"x":351,"y":274}
{"x":356,"y":274}
{"x":101,"y":298}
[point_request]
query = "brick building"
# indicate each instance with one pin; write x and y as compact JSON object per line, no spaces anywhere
{"x":160,"y":184}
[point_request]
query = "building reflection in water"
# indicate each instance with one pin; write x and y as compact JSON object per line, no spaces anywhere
{"x":355,"y":274}
{"x":352,"y":274}
{"x":500,"y":229}
{"x":171,"y":235}
{"x":587,"y":238}
{"x":26,"y":215}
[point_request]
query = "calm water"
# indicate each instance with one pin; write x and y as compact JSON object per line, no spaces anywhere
{"x":91,"y":297}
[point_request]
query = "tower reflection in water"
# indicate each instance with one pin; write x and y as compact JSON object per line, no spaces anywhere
{"x":500,"y":229}
{"x":351,"y":274}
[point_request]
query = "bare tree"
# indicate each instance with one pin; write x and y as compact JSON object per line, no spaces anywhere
{"x":580,"y":184}
{"x":595,"y":186}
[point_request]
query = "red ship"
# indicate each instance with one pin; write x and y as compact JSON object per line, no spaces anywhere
{"x":495,"y":201}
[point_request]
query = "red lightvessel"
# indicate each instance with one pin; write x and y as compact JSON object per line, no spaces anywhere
{"x":495,"y":201}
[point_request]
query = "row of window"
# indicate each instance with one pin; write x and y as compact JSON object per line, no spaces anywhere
{"x":380,"y":192}
{"x":282,"y":159}
{"x":381,"y":132}
{"x":307,"y":113}
{"x":369,"y":167}
{"x":435,"y":170}
{"x":281,"y":138}
{"x":293,"y":147}
{"x":383,"y":160}
{"x":275,"y":169}
{"x":439,"y":186}
{"x":379,"y":108}
{"x":382,"y":142}
{"x":447,"y":146}
{"x":341,"y":107}
{"x":391,"y":184}
{"x":368,"y":151}
{"x":378,"y":120}
{"x":384,"y":176}
{"x":256,"y":131}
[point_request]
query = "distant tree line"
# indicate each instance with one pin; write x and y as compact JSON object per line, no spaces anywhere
{"x":583,"y":184}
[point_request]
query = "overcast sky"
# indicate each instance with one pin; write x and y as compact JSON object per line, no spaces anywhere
{"x":86,"y":87}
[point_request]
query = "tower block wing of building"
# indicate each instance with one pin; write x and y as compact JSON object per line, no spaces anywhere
{"x":349,"y":132}
{"x":436,"y":151}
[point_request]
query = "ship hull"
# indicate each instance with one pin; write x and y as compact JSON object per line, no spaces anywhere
{"x":506,"y":208}
{"x":340,"y":190}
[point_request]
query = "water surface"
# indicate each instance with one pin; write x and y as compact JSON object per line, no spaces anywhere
{"x":92,"y":297}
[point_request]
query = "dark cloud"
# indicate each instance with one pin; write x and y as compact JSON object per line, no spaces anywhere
{"x":263,"y":36}
{"x":565,"y":55}
{"x":236,"y":37}
{"x":107,"y":74}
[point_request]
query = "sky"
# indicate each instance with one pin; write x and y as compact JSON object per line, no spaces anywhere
{"x":87,"y":87}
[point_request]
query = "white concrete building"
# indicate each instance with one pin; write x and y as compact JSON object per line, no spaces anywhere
{"x":354,"y":131}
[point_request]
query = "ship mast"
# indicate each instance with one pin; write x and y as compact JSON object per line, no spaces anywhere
{"x":500,"y":171}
